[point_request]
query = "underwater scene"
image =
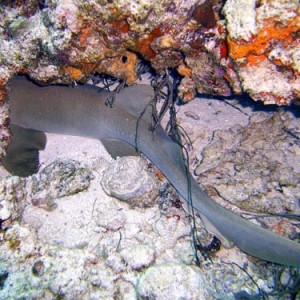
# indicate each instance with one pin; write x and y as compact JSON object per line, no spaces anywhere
{"x":149,"y":149}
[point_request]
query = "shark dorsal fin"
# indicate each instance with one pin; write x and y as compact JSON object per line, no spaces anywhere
{"x":22,"y":158}
{"x":136,"y":99}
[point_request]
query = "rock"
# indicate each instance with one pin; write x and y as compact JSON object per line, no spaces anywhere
{"x":111,"y":219}
{"x":240,"y":16}
{"x":127,"y":179}
{"x":170,"y":229}
{"x":58,"y":179}
{"x":261,"y":44}
{"x":12,"y":204}
{"x":253,"y":158}
{"x":20,"y":242}
{"x":4,"y":120}
{"x":172,"y":282}
{"x":138,"y":256}
{"x":126,"y":291}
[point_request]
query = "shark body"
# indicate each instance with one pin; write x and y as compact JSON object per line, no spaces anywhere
{"x":82,"y":111}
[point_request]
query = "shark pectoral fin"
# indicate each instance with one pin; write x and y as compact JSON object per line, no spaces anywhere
{"x":117,"y":148}
{"x":213,"y":230}
{"x":22,"y":158}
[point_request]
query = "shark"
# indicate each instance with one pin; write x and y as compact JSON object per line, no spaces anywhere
{"x":82,"y":111}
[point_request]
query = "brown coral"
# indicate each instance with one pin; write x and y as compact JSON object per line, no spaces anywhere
{"x":4,"y":121}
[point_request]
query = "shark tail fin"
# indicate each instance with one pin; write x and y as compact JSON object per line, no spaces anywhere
{"x":22,"y":157}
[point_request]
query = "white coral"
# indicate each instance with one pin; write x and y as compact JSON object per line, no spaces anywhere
{"x":170,"y":229}
{"x":241,"y":18}
{"x":67,"y":12}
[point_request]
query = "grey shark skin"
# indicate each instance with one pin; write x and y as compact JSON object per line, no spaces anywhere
{"x":82,"y":111}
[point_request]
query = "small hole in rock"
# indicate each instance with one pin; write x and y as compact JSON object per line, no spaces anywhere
{"x":38,"y":268}
{"x":124,"y":59}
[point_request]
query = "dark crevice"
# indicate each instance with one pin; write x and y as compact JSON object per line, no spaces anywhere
{"x":3,"y":277}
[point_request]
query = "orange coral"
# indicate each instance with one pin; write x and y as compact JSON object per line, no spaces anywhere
{"x":143,"y":45}
{"x":188,"y":96}
{"x":255,"y":59}
{"x":121,"y":66}
{"x":258,"y":46}
{"x":183,"y":70}
{"x":84,"y":34}
{"x":74,"y":73}
{"x":88,"y":68}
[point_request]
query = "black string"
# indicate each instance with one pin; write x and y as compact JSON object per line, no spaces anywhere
{"x":177,"y":134}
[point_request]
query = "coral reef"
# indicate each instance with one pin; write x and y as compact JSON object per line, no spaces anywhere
{"x":263,"y":43}
{"x":62,"y":41}
{"x":218,"y":47}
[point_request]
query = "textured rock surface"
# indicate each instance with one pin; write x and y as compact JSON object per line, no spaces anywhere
{"x":4,"y":121}
{"x":256,"y":165}
{"x":138,"y":257}
{"x":171,"y":282}
{"x":127,"y":179}
{"x":58,"y":179}
{"x":262,"y":42}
